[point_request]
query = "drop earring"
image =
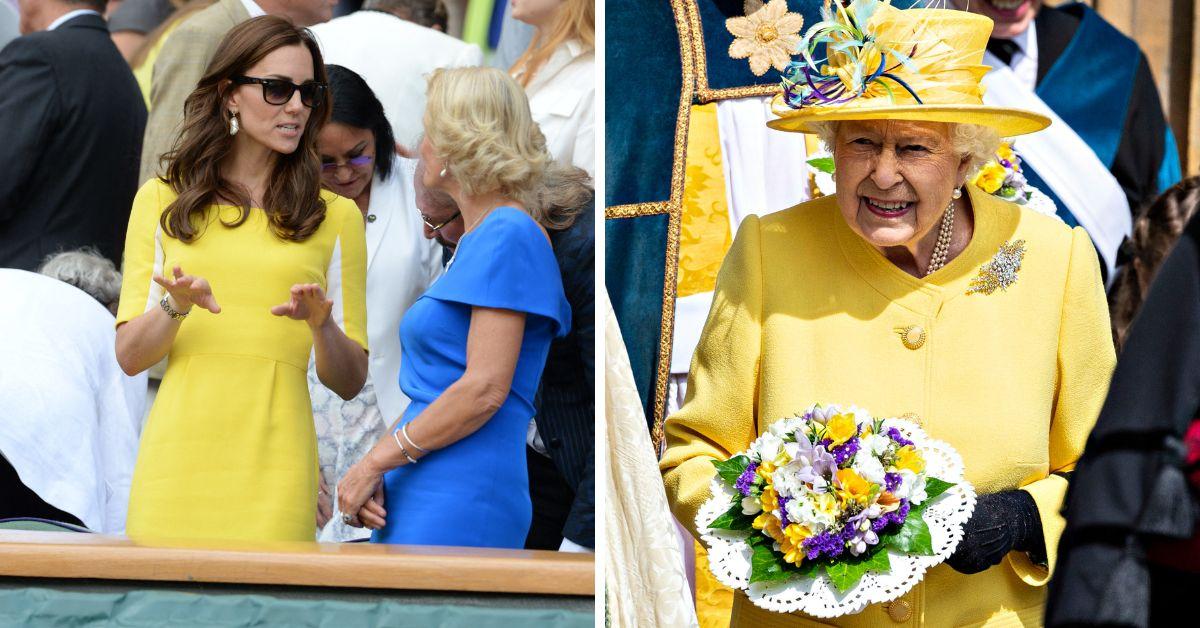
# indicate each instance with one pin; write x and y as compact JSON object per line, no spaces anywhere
{"x":957,"y":193}
{"x":233,"y":123}
{"x":442,"y":173}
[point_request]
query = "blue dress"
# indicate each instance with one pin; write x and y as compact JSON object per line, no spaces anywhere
{"x":475,"y":492}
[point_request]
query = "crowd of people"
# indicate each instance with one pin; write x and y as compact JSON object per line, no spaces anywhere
{"x":299,"y":277}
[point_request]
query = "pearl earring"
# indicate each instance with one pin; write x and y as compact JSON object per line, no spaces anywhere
{"x":957,"y":193}
{"x":442,"y":173}
{"x":233,"y":123}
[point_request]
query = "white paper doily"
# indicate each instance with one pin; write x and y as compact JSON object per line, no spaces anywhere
{"x":729,"y":555}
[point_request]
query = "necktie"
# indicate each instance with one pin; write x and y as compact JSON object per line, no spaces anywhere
{"x":1004,"y":49}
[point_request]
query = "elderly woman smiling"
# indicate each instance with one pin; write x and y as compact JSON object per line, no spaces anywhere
{"x":910,"y":293}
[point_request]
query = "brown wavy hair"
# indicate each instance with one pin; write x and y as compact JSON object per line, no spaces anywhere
{"x":193,"y":167}
{"x":1155,"y":231}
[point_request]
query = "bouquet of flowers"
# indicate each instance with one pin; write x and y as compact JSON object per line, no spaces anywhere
{"x":1002,"y":177}
{"x":832,"y":510}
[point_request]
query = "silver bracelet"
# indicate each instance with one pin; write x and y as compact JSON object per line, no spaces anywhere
{"x":396,"y":437}
{"x":404,"y":428}
{"x":165,"y":304}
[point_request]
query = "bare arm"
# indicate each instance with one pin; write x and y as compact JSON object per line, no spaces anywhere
{"x":145,"y":340}
{"x":128,"y":43}
{"x":341,"y":362}
{"x":493,"y":346}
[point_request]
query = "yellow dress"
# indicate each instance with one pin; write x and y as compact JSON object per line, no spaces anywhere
{"x":806,"y":311}
{"x":229,"y":450}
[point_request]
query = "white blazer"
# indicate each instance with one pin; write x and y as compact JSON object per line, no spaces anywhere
{"x":401,"y":264}
{"x":562,"y":98}
{"x":394,"y":57}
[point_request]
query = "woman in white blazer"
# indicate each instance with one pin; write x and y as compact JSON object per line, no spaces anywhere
{"x":558,"y":71}
{"x":358,"y":161}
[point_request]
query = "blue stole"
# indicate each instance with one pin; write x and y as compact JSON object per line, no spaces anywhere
{"x":1089,"y":87}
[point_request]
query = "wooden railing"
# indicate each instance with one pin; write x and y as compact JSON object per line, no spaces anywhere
{"x":359,"y":565}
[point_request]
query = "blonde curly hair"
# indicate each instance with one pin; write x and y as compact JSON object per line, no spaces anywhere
{"x":478,"y":122}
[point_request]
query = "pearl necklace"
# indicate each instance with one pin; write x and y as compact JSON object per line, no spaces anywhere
{"x":942,"y":248}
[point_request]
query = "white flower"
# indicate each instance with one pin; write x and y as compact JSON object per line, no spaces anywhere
{"x":750,"y":505}
{"x":768,"y":446}
{"x":875,"y":444}
{"x":912,"y":487}
{"x":869,"y":468}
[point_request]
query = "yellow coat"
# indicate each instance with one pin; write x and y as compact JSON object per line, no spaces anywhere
{"x":806,"y":311}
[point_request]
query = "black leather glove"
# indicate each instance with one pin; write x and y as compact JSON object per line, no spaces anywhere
{"x":1002,"y":522}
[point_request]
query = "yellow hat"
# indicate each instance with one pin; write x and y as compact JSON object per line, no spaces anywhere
{"x":914,"y":64}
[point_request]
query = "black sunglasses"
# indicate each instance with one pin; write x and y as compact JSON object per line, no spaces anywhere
{"x":279,"y":91}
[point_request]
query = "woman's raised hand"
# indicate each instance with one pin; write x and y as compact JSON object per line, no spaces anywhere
{"x":188,"y":290}
{"x":308,"y":303}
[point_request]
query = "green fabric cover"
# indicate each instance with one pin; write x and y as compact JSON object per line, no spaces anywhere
{"x":34,"y":607}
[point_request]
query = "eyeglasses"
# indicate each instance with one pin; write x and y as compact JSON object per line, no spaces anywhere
{"x":353,"y":162}
{"x":279,"y":91}
{"x":438,"y":227}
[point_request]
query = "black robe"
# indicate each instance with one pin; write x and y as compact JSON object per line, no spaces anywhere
{"x":1129,"y":488}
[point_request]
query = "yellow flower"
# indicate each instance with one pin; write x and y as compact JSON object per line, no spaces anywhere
{"x":793,"y":543}
{"x":765,"y":469}
{"x":908,"y":458}
{"x":1005,"y":152}
{"x":770,"y":501}
{"x":845,"y":66}
{"x":854,"y":487}
{"x":990,"y":177}
{"x":769,"y":524}
{"x":768,"y":35}
{"x":841,"y":428}
{"x":827,"y":504}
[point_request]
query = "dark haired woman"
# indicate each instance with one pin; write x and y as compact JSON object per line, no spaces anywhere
{"x":358,"y":162}
{"x":228,"y":263}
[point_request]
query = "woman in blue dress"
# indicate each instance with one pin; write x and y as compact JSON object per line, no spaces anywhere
{"x":452,"y":470}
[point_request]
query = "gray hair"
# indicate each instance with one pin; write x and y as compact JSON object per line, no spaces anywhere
{"x":976,"y":142}
{"x":87,"y":270}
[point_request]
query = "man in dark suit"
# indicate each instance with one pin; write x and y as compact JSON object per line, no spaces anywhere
{"x":73,"y":118}
{"x":561,"y":456}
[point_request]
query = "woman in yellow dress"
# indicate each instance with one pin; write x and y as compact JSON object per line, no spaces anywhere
{"x":910,"y":293}
{"x":229,"y":260}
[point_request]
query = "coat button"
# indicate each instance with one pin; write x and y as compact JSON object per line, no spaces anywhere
{"x":899,"y":610}
{"x":912,"y":336}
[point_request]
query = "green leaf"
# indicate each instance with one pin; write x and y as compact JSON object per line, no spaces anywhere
{"x":935,"y":487}
{"x":912,"y":538}
{"x":730,"y":470}
{"x":733,"y":519}
{"x":765,"y":564}
{"x":822,"y":164}
{"x":844,"y":574}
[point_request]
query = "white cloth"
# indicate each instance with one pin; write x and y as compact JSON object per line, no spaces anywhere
{"x":253,"y":9}
{"x":645,"y":584}
{"x":1024,"y":62}
{"x":562,"y":98}
{"x":762,"y":167}
{"x":69,"y":418}
{"x":401,"y":265}
{"x":70,"y":16}
{"x":394,"y":57}
{"x":1067,"y":164}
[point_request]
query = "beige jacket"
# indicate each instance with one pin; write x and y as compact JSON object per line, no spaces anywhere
{"x":180,"y":65}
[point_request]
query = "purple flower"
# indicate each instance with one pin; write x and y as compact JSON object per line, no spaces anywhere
{"x":829,"y":544}
{"x":784,"y":522}
{"x":746,"y":479}
{"x":891,"y":481}
{"x":896,"y":516}
{"x":814,"y":461}
{"x":895,"y":435}
{"x":845,"y":451}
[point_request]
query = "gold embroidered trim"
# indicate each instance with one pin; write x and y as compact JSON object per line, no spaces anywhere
{"x":637,"y":209}
{"x":704,"y":93}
